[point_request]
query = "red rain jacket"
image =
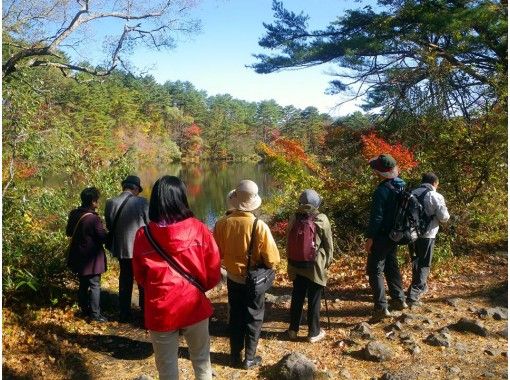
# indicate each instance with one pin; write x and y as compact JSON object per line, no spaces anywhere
{"x":171,"y":301}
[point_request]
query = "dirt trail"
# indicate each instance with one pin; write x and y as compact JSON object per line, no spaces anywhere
{"x":51,"y":343}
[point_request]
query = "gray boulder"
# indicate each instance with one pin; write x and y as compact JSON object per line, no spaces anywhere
{"x":439,"y":339}
{"x":377,"y":351}
{"x":498,"y":313}
{"x":470,"y":325}
{"x":362,"y":331}
{"x":294,"y":366}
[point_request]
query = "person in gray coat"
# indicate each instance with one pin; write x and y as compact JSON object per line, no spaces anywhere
{"x":421,"y":250}
{"x":133,"y":215}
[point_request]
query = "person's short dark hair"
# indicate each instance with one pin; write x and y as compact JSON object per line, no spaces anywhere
{"x":168,"y":201}
{"x":429,"y":178}
{"x":89,"y":195}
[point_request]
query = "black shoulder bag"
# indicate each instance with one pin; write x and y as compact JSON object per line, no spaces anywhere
{"x":259,"y":279}
{"x":111,"y":232}
{"x":172,"y":262}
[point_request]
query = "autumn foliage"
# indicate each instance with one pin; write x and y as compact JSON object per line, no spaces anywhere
{"x":374,"y":146}
{"x":279,"y":229}
{"x":291,"y":150}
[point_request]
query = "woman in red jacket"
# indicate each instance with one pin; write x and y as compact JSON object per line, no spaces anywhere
{"x":172,"y":302}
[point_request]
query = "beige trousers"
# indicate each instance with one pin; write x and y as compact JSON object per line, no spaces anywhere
{"x":166,"y":345}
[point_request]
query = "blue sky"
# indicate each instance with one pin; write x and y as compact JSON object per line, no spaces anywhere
{"x":214,"y":60}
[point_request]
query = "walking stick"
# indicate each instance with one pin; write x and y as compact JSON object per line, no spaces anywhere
{"x":326,"y":303}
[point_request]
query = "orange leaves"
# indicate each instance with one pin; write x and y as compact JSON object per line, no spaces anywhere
{"x":192,"y":130}
{"x":291,"y":150}
{"x":25,"y":170}
{"x":374,"y":146}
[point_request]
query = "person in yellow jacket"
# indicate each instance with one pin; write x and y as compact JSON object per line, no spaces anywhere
{"x":232,"y":234}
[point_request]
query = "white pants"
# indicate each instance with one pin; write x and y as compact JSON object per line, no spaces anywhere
{"x":166,"y":345}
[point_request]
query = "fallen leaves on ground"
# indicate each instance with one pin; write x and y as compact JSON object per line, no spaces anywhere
{"x":52,"y":343}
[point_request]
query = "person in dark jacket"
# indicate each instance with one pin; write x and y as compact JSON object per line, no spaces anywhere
{"x":382,"y":251}
{"x":133,"y":214}
{"x":86,"y":255}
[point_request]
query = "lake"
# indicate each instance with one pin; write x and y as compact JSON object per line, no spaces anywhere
{"x":208,"y":184}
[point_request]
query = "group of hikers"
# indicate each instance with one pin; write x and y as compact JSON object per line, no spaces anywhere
{"x":175,"y":259}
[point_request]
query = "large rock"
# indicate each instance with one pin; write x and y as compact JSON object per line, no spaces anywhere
{"x":470,"y":325}
{"x":498,"y":313}
{"x":397,"y":326}
{"x":362,"y":331}
{"x":377,"y":351}
{"x":438,"y":339}
{"x":294,"y":366}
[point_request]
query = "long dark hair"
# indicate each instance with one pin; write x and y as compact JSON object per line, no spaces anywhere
{"x":169,"y":202}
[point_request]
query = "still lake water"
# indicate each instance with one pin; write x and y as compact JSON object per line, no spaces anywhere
{"x":208,"y":184}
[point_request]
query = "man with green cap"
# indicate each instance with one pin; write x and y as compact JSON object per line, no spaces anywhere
{"x":382,"y":251}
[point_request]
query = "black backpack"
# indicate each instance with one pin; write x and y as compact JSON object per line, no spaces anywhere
{"x":410,"y":221}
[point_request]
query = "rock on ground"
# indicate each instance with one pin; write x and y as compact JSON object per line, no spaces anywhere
{"x":294,"y":366}
{"x":470,"y":325}
{"x":377,"y":351}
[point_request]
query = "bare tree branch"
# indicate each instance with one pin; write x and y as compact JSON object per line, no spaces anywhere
{"x":45,"y":49}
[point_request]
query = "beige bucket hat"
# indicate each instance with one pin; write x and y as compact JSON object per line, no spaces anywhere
{"x":245,"y":196}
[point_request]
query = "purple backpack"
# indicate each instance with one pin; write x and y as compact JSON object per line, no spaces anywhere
{"x":301,"y":249}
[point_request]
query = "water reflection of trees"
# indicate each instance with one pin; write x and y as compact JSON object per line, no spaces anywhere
{"x":209,"y":183}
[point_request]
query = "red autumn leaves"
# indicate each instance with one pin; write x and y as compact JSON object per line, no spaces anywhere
{"x":374,"y":146}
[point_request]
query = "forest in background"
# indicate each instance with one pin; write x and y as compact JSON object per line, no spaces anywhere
{"x":446,"y":113}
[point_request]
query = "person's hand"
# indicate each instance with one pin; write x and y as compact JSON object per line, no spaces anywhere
{"x":368,"y":245}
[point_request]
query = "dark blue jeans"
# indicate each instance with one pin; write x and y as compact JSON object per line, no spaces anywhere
{"x":245,"y":320}
{"x":89,"y":294}
{"x":382,"y":263}
{"x":305,"y":287}
{"x":421,"y":255}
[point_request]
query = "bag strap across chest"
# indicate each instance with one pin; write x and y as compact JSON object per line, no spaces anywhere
{"x":252,"y":238}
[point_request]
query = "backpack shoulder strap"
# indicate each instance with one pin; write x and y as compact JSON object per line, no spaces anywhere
{"x":421,"y":197}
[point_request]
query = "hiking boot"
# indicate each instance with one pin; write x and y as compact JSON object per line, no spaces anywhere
{"x":398,"y":305}
{"x":380,"y":314}
{"x":292,"y":334}
{"x":251,"y":363}
{"x":318,"y":337}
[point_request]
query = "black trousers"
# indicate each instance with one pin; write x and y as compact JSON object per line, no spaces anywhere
{"x":382,"y":263}
{"x":421,"y":255}
{"x":126,"y":288}
{"x":89,"y":294}
{"x":305,"y":287}
{"x":245,"y":320}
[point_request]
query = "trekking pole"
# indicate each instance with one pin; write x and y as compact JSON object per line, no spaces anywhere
{"x":326,"y":303}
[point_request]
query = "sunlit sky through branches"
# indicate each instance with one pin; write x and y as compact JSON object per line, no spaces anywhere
{"x":215,"y":59}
